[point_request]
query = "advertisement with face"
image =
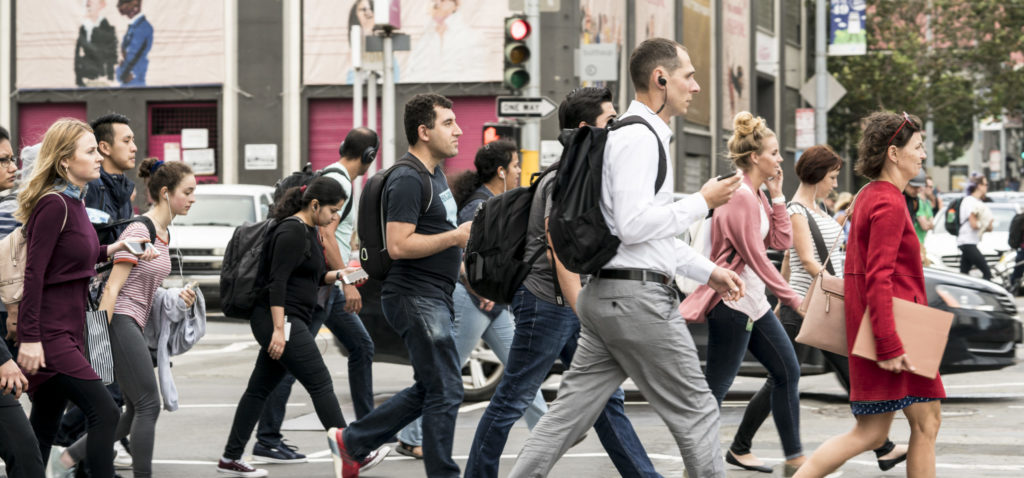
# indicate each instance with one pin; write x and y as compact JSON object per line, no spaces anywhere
{"x":118,"y":43}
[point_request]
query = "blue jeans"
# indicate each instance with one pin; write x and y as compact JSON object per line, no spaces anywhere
{"x":544,"y":332}
{"x":425,"y":325}
{"x":347,"y":327}
{"x":728,"y":342}
{"x":268,"y":430}
{"x":472,"y":324}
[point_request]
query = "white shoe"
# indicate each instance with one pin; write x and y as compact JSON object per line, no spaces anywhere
{"x":122,"y":459}
{"x":55,"y":468}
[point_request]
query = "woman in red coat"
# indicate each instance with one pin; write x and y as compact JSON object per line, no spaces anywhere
{"x":883,"y":261}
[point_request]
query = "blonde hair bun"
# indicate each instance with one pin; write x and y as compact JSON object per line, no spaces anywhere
{"x":745,"y":123}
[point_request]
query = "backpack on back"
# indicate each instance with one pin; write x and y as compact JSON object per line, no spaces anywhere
{"x":303,"y":177}
{"x":243,"y":269}
{"x":371,"y":224}
{"x":495,"y":266}
{"x":952,"y":221}
{"x":1016,"y":231}
{"x":578,"y":230}
{"x":14,"y":256}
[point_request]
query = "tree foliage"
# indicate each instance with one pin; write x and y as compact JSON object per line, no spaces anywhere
{"x":969,"y":71}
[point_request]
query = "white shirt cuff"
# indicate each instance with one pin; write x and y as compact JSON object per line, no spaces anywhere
{"x":779,"y":200}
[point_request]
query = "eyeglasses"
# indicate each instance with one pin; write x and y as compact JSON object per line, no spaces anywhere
{"x":906,"y":119}
{"x":7,"y":161}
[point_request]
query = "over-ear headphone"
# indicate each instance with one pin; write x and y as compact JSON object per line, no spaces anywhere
{"x":662,"y":81}
{"x":370,"y":154}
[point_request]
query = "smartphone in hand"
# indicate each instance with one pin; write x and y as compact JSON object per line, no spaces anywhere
{"x":355,"y":277}
{"x":727,"y":176}
{"x":138,"y":248}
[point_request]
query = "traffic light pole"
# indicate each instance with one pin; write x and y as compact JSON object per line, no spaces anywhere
{"x":531,"y":127}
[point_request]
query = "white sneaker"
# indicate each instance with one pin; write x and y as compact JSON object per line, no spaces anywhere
{"x":54,"y":467}
{"x":122,"y":459}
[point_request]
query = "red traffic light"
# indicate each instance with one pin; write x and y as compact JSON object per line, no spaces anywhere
{"x":517,"y":28}
{"x":491,"y":134}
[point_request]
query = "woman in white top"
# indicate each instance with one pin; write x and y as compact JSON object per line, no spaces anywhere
{"x":818,"y":170}
{"x":972,"y":210}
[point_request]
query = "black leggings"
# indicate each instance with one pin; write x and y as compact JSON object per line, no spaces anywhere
{"x":302,"y":358}
{"x":971,"y":257}
{"x":101,"y":415}
{"x":760,"y":405}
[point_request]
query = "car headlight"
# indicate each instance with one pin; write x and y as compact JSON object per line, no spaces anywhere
{"x":963,"y":298}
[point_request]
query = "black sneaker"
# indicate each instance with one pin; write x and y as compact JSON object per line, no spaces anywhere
{"x":282,"y":453}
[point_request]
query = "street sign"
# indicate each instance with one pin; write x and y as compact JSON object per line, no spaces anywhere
{"x":597,"y":62}
{"x":524,"y":107}
{"x":833,"y":88}
{"x":804,"y":128}
{"x":545,"y":5}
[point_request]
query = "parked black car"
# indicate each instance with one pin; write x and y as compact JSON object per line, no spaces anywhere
{"x":985,"y":332}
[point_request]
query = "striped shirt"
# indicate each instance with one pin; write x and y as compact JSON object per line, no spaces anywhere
{"x":136,"y":297}
{"x":799,"y":278}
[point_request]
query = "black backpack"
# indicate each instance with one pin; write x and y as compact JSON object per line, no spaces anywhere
{"x":303,"y":177}
{"x":243,"y":269}
{"x":952,"y":221}
{"x":495,"y":266}
{"x":579,"y":234}
{"x":1016,"y":231}
{"x":372,"y":224}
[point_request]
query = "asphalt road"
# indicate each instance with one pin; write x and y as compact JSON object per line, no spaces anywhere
{"x":982,"y":431}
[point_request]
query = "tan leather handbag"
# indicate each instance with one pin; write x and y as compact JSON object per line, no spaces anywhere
{"x":823,"y":308}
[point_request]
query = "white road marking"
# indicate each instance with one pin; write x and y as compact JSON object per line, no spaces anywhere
{"x":475,"y":406}
{"x":232,"y":348}
{"x":225,"y":405}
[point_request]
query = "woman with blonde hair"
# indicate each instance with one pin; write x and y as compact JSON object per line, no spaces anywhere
{"x":883,"y":262}
{"x":749,"y":323}
{"x":62,"y":250}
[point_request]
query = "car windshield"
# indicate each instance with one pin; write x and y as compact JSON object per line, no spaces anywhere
{"x":219,"y":210}
{"x":1002,"y":216}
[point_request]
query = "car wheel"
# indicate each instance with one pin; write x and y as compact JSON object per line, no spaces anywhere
{"x":481,"y":374}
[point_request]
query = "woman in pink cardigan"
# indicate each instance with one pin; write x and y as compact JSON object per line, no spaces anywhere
{"x":741,"y":232}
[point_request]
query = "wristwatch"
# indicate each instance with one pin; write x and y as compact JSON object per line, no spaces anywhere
{"x":337,"y":276}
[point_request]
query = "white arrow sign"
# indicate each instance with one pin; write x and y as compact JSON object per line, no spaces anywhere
{"x":524,"y":107}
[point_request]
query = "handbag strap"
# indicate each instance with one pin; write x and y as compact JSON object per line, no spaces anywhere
{"x":817,"y":236}
{"x":849,"y":212}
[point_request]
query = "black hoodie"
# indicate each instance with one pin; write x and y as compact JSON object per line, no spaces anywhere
{"x":112,"y":194}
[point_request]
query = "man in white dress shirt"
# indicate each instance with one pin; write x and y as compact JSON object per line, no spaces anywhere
{"x":630,"y":323}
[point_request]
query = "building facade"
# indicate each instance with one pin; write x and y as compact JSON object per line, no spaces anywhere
{"x":248,"y":90}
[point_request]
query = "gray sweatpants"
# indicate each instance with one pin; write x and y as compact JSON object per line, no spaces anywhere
{"x":133,"y":369}
{"x":630,"y":329}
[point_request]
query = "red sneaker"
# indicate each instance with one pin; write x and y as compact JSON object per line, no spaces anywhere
{"x":238,"y":468}
{"x":344,"y":465}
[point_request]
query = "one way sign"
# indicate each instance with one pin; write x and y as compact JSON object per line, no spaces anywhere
{"x":524,"y":107}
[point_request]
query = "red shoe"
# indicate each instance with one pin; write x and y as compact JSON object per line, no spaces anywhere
{"x":344,"y":465}
{"x":238,"y":468}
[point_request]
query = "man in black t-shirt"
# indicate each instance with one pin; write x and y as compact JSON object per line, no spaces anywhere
{"x":417,"y":296}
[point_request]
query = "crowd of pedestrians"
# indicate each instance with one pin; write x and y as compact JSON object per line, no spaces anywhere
{"x":74,"y":205}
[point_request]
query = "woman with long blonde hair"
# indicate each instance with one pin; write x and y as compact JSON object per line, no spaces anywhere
{"x":62,"y":250}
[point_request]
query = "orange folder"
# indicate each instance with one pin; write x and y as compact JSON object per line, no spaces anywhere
{"x":922,"y":329}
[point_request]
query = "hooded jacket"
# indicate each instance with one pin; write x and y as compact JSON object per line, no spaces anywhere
{"x":112,"y":194}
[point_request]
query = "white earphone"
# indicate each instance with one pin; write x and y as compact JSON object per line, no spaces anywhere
{"x":501,"y":174}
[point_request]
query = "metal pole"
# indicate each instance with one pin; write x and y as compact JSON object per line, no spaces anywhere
{"x":820,"y":70}
{"x":530,"y":149}
{"x":355,"y":39}
{"x":929,"y":125}
{"x":388,"y":103}
{"x":229,"y":93}
{"x":371,"y":100}
{"x":5,"y":65}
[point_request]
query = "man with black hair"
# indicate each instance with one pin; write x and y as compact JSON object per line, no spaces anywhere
{"x":547,"y":328}
{"x":110,"y":197}
{"x":357,"y":152}
{"x":417,"y":295}
{"x":628,"y":312}
{"x":18,"y":447}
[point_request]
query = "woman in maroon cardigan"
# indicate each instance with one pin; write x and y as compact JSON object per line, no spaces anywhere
{"x":62,"y":250}
{"x":883,"y":261}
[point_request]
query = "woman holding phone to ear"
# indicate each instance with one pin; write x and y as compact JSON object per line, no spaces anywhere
{"x":62,"y":251}
{"x":127,"y":300}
